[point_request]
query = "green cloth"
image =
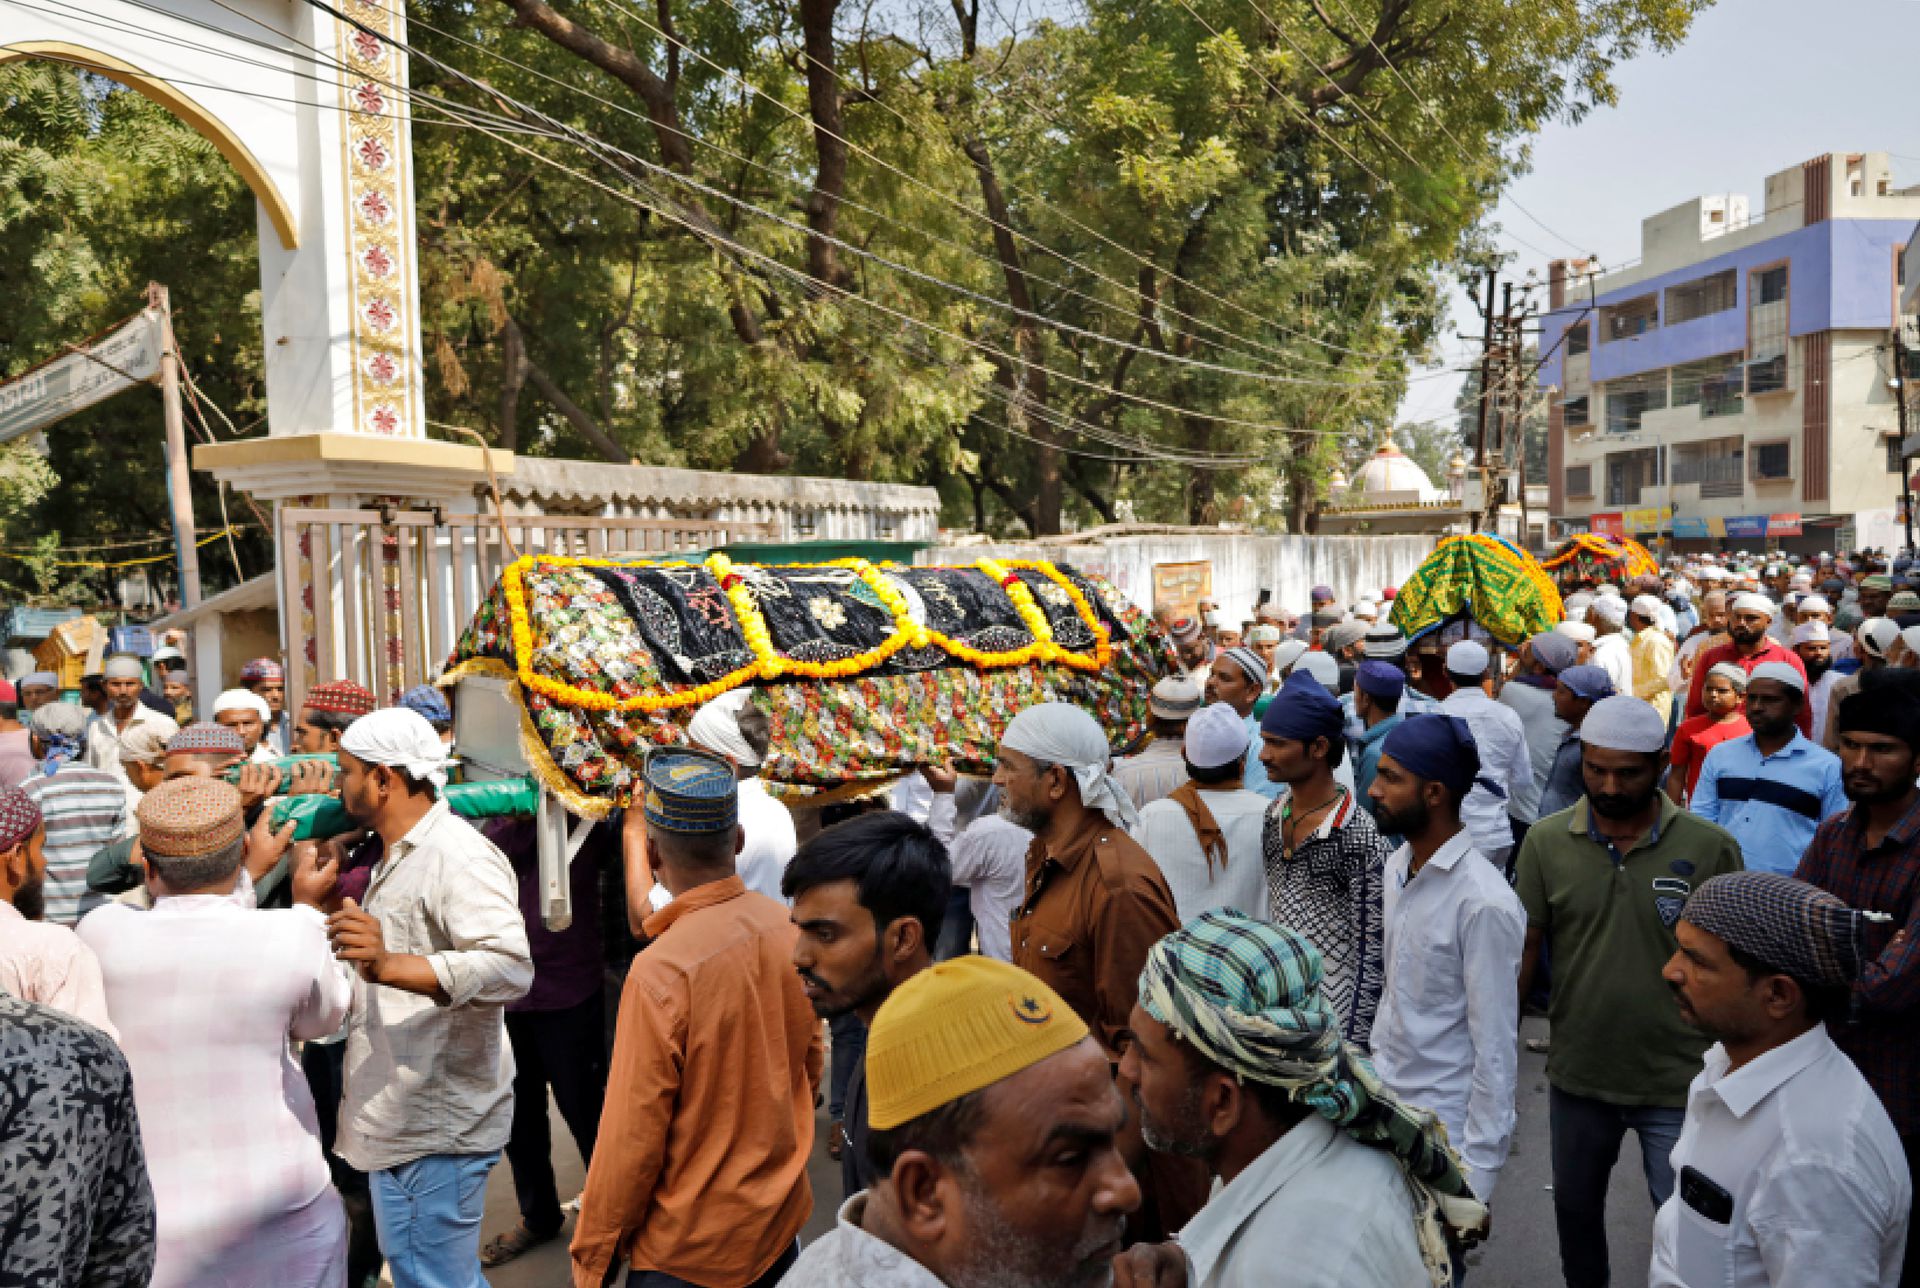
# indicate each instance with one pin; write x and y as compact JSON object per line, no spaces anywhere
{"x":1617,"y":1032}
{"x":111,"y":872}
{"x":323,"y":816}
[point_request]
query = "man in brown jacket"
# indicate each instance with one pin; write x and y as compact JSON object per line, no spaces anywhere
{"x":1095,"y":903}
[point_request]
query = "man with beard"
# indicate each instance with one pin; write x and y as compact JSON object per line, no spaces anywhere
{"x":1328,"y":1180}
{"x":1604,"y":883}
{"x":245,"y":712}
{"x":1448,"y":1033}
{"x":124,"y":680}
{"x":440,"y":948}
{"x":1794,"y":1173}
{"x":266,"y":679}
{"x":995,"y":1145}
{"x":1813,"y":643}
{"x":1870,"y":858}
{"x":1748,"y":646}
{"x":868,"y":896}
{"x":699,"y":1172}
{"x":1239,"y":679}
{"x":39,"y":961}
{"x":1711,"y":630}
{"x":1771,"y":788}
{"x":1095,"y":903}
{"x":1875,"y":592}
{"x":1873,"y":639}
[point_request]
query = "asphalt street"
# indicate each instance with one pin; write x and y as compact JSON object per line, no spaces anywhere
{"x":1523,"y":1252}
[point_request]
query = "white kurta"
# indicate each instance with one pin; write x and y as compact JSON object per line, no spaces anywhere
{"x":206,"y":993}
{"x":770,"y":839}
{"x":1165,"y":832}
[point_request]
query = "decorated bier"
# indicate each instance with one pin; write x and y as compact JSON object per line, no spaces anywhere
{"x":1477,"y":586}
{"x":864,"y":670}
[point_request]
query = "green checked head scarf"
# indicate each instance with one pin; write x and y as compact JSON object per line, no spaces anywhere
{"x":1246,"y":995}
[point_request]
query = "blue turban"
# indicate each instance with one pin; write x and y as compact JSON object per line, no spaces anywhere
{"x":1439,"y":748}
{"x":429,"y":703}
{"x":1380,"y":679}
{"x":1302,"y":711}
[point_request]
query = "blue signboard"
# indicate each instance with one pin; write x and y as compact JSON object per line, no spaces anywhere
{"x":1747,"y":525}
{"x":1690,"y":528}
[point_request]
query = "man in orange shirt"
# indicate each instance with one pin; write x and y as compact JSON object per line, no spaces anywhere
{"x":699,"y":1175}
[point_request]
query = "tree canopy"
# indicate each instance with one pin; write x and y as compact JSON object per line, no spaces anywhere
{"x":1179,"y":256}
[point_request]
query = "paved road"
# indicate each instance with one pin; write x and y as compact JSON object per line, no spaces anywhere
{"x":1523,"y":1253}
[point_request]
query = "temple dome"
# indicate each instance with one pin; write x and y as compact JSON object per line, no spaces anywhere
{"x":1390,"y":470}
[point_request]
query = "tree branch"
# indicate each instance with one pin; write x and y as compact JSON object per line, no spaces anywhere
{"x":589,"y":428}
{"x":621,"y":64}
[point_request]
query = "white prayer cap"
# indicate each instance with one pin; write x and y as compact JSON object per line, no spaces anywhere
{"x":1815,"y":604}
{"x":123,"y":666}
{"x":1808,"y":633}
{"x":1910,"y":637}
{"x":1606,"y":588}
{"x":1061,"y":734}
{"x":1624,"y":723}
{"x":1578,"y":632}
{"x":716,"y":726}
{"x":1216,"y":736}
{"x":1579,"y":599}
{"x":1610,"y":609}
{"x":243,"y":700}
{"x":400,"y":739}
{"x":1366,"y":608}
{"x":1264,"y":633}
{"x":1648,"y":607}
{"x":1468,"y":657}
{"x":1323,"y":668}
{"x":1732,"y":672}
{"x":1876,"y":635}
{"x":1749,"y":602}
{"x":1286,"y":655}
{"x":1784,"y":672}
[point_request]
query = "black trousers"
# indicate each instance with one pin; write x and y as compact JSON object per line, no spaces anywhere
{"x":565,"y":1050}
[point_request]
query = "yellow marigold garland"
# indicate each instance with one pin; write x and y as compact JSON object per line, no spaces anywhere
{"x":769,"y":664}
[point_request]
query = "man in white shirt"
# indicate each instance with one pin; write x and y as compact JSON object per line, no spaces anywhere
{"x":1237,"y":1061}
{"x":123,"y":680}
{"x":441,"y":948}
{"x":1611,"y":651}
{"x":733,"y":727}
{"x":1205,"y":835}
{"x":1157,"y":768}
{"x":1506,"y":767}
{"x":1448,"y":1033}
{"x":1790,"y":1170}
{"x":989,"y":856}
{"x":206,"y":992}
{"x":245,"y":712}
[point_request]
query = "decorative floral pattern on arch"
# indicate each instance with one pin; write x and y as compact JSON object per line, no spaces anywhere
{"x":374,"y":149}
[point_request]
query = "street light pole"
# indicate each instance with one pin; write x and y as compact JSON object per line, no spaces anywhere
{"x":1900,"y":402}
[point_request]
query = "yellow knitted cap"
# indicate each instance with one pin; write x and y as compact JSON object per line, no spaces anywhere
{"x":955,"y":1028}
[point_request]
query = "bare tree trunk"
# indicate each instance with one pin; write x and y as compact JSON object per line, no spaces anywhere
{"x":513,"y":378}
{"x":829,"y":134}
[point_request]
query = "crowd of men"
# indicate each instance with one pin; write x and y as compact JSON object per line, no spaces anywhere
{"x":1240,"y":1006}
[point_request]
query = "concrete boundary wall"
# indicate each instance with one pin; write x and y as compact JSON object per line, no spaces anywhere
{"x":1243,"y":564}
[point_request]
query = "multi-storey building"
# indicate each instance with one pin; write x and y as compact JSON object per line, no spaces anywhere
{"x":1734,"y":386}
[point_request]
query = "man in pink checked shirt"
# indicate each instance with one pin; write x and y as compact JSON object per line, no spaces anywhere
{"x":39,"y":961}
{"x":206,"y":990}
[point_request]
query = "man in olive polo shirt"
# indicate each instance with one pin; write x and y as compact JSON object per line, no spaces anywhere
{"x":1603,"y":884}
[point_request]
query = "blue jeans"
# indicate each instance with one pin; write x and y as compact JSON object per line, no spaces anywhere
{"x":428,"y":1215}
{"x":1586,"y":1144}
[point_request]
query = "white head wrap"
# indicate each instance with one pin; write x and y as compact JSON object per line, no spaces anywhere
{"x":243,"y":700}
{"x":1648,"y":607}
{"x":1323,"y":668}
{"x":123,"y":666}
{"x":1578,"y":632}
{"x":1910,"y":637}
{"x":1876,"y":635}
{"x":1064,"y":735}
{"x":1610,"y":609}
{"x":1782,"y":672}
{"x":1216,"y":736}
{"x":1807,"y":632}
{"x":1624,"y":723}
{"x":399,"y":739}
{"x":1815,"y":604}
{"x":1749,"y":602}
{"x":1366,"y":608}
{"x":716,"y":726}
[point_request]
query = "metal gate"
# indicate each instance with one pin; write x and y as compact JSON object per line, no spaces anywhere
{"x":380,"y":596}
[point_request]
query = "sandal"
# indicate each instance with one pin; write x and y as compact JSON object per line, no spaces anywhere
{"x":506,"y":1247}
{"x":835,"y":1133}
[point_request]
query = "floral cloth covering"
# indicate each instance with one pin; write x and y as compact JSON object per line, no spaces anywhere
{"x":865,"y":671}
{"x":1484,"y":578}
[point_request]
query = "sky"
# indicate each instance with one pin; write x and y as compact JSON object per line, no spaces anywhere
{"x":1759,"y":85}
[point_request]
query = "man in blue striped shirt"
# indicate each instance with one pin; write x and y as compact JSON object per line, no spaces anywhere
{"x":84,"y":808}
{"x":1772,"y":788}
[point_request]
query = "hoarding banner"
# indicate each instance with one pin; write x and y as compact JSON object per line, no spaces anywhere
{"x":90,"y":373}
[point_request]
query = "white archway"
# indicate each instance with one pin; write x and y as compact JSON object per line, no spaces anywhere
{"x":312,"y":113}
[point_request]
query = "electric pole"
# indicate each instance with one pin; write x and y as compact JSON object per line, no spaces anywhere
{"x":179,"y":478}
{"x":1483,"y":521}
{"x":1900,"y":402}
